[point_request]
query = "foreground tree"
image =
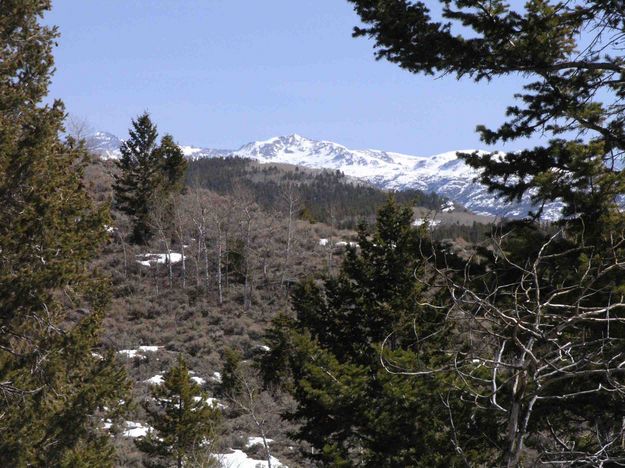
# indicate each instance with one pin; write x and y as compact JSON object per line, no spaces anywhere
{"x":148,"y":174}
{"x":355,"y":408}
{"x":54,"y":391}
{"x":184,"y":422}
{"x":545,"y":310}
{"x":544,"y":316}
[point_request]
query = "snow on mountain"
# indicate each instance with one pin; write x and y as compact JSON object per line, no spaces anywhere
{"x":443,"y":174}
{"x":105,"y":144}
{"x":193,"y":152}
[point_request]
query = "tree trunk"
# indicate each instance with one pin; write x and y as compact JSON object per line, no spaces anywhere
{"x":219,"y":272}
{"x":198,"y":258}
{"x":247,"y":290}
{"x":184,"y":265}
{"x":170,"y":270}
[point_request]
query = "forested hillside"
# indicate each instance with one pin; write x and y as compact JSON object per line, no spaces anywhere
{"x":324,"y":196}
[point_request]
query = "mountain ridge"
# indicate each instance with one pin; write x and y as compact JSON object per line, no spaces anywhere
{"x":443,"y":173}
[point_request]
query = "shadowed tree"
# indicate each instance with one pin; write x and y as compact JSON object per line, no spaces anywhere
{"x":342,"y":359}
{"x":54,"y":391}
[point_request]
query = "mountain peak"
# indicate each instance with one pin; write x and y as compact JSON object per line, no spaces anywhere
{"x":443,"y":173}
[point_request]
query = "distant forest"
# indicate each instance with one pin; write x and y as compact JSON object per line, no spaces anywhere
{"x":323,"y":196}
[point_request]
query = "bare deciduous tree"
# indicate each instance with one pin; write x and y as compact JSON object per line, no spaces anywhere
{"x":290,"y":200}
{"x":545,"y":345}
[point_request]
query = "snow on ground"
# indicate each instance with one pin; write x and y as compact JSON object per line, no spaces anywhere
{"x":149,"y":349}
{"x":448,"y":207}
{"x":345,"y":244}
{"x":323,"y":242}
{"x":431,"y":222}
{"x":136,"y":429}
{"x":251,"y":441}
{"x":139,"y":352}
{"x":198,"y":380}
{"x":216,"y":377}
{"x":156,"y":380}
{"x":150,"y":259}
{"x":238,"y":459}
{"x":214,"y":402}
{"x":131,"y":353}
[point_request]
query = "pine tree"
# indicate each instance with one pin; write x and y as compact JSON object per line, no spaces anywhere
{"x":570,"y":50}
{"x":55,"y":392}
{"x":173,"y":165}
{"x":184,"y":422}
{"x":139,"y":176}
{"x":349,"y":332}
{"x":231,"y":373}
{"x":543,"y":308}
{"x":148,"y":174}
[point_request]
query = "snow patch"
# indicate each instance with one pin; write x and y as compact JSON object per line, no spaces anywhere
{"x":251,"y":441}
{"x":137,"y":353}
{"x":345,"y":244}
{"x":150,"y":259}
{"x":432,"y":223}
{"x":136,"y":429}
{"x":156,"y":380}
{"x":239,"y":459}
{"x":448,"y":207}
{"x":198,"y":380}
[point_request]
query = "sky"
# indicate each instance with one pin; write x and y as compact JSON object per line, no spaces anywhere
{"x":221,"y":73}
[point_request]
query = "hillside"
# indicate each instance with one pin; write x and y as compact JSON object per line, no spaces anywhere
{"x":443,"y":174}
{"x":318,"y":195}
{"x":167,"y":298}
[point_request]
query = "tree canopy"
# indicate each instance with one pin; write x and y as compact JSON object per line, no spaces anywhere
{"x":570,"y":54}
{"x":148,"y":173}
{"x":184,"y":422}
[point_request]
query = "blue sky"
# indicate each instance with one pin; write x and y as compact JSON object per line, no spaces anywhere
{"x":221,"y":73}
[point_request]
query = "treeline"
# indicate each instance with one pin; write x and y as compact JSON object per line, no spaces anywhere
{"x":324,"y":196}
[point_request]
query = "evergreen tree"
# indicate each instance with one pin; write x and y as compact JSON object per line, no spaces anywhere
{"x":139,"y":176}
{"x":544,"y":309}
{"x":185,"y":423}
{"x":148,"y":173}
{"x":173,"y":165}
{"x":55,"y":391}
{"x":343,"y":353}
{"x":570,"y":50}
{"x":231,"y":373}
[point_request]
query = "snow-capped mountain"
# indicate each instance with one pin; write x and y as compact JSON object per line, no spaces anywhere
{"x":105,"y":144}
{"x":443,"y":173}
{"x":193,"y":152}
